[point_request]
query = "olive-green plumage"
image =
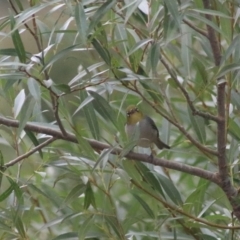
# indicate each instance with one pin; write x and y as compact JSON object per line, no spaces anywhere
{"x":147,"y":129}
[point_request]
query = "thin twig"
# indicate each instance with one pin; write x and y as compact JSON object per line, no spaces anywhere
{"x":202,"y":32}
{"x":116,"y":151}
{"x":180,"y":211}
{"x":54,"y":100}
{"x":187,"y":97}
{"x":27,"y":154}
{"x":26,"y":25}
{"x":55,"y":110}
{"x":38,"y":80}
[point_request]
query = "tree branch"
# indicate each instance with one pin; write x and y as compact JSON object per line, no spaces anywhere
{"x":215,"y":45}
{"x":202,"y":32}
{"x":33,"y":150}
{"x":56,"y":133}
{"x":225,"y":183}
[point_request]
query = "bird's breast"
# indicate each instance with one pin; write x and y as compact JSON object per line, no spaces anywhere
{"x":147,"y":135}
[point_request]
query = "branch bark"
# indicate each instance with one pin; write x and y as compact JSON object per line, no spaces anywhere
{"x":57,"y":134}
{"x":225,"y":183}
{"x":27,"y":154}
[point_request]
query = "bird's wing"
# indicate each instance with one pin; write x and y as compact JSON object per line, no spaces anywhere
{"x":152,"y":124}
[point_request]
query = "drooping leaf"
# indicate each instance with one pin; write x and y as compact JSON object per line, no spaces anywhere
{"x":170,"y":189}
{"x":103,"y":107}
{"x":198,"y":126}
{"x":100,"y":13}
{"x":19,"y":102}
{"x":89,"y":197}
{"x":17,"y":41}
{"x":145,"y":206}
{"x":81,"y":22}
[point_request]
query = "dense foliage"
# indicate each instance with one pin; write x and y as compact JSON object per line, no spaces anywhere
{"x":69,"y":69}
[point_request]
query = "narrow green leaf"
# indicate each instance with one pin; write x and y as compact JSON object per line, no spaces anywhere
{"x":61,"y":87}
{"x":100,"y":13}
{"x":74,"y":193}
{"x":231,"y":49}
{"x":204,"y":20}
{"x":112,"y":221}
{"x":234,"y":128}
{"x":198,"y":126}
{"x":84,"y":146}
{"x":20,"y":226}
{"x":103,"y":108}
{"x":130,"y":168}
{"x":194,"y":202}
{"x":149,"y":177}
{"x":26,"y":113}
{"x":235,"y":98}
{"x":34,"y":141}
{"x":211,"y":12}
{"x":18,"y":192}
{"x":17,"y":41}
{"x":154,"y":56}
{"x":144,"y":205}
{"x":2,"y":169}
{"x":89,"y":197}
{"x":186,"y":46}
{"x":102,"y":51}
{"x":139,"y":45}
{"x":9,"y":52}
{"x":67,"y":236}
{"x":228,"y":68}
{"x":19,"y":5}
{"x":6,"y":193}
{"x":170,"y":189}
{"x":173,"y":9}
{"x":18,"y":102}
{"x":81,"y":22}
{"x":103,"y":159}
{"x":131,"y":8}
{"x":151,"y":89}
{"x":91,"y":117}
{"x":85,"y":226}
{"x":34,"y":89}
{"x":59,"y":55}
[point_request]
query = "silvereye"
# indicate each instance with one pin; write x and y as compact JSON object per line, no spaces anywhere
{"x":148,"y":132}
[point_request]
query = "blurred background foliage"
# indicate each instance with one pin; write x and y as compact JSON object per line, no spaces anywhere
{"x":95,"y":58}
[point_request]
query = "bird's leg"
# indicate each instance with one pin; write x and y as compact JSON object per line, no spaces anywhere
{"x":153,"y":153}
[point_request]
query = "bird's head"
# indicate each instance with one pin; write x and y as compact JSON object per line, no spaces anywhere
{"x":134,"y":115}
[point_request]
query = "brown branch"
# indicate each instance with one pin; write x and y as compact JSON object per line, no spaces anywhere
{"x":215,"y":45}
{"x":27,"y":154}
{"x":225,"y":183}
{"x":52,"y":131}
{"x":55,"y":110}
{"x":202,"y":32}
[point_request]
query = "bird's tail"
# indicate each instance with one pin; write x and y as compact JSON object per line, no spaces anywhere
{"x":161,"y":144}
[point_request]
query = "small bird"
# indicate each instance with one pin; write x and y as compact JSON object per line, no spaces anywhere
{"x":148,"y":132}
